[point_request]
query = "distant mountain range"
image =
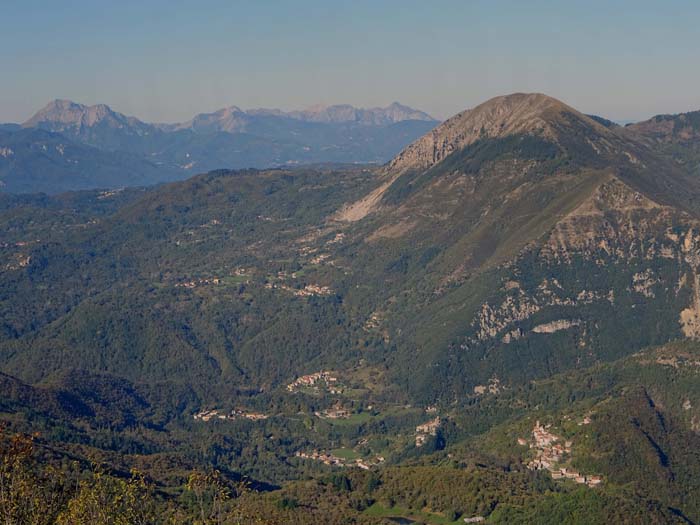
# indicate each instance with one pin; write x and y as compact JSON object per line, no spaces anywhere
{"x":234,"y":119}
{"x":138,"y":152}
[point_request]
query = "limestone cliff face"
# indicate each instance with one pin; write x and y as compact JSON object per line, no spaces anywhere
{"x":615,"y":221}
{"x":619,"y":232}
{"x":64,"y":115}
{"x":519,"y":113}
{"x":690,"y":317}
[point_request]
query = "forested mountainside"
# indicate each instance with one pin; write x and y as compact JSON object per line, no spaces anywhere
{"x":448,"y":336}
{"x":35,"y":161}
{"x":675,"y":136}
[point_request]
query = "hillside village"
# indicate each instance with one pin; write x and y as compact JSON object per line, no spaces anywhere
{"x":307,"y":291}
{"x":208,"y":415}
{"x":426,"y":430}
{"x":552,"y":452}
{"x":337,"y":411}
{"x":317,"y":382}
{"x":331,"y":459}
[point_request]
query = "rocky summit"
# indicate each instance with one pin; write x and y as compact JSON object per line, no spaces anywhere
{"x":520,"y":113}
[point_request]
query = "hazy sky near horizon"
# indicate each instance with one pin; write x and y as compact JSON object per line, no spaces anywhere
{"x":165,"y":60}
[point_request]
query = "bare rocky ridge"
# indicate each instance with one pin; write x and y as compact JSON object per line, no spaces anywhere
{"x":234,"y":119}
{"x":391,"y":114}
{"x":495,"y":118}
{"x":518,"y":114}
{"x":62,"y":115}
{"x":231,"y":119}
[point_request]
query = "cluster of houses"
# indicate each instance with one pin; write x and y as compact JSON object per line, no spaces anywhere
{"x":318,"y":259}
{"x":549,"y":448}
{"x":336,"y":412}
{"x":18,"y":244}
{"x":194,"y":283}
{"x":307,"y":291}
{"x":313,"y":289}
{"x":241,"y":272}
{"x":315,"y":380}
{"x":564,"y":473}
{"x":493,"y":387}
{"x":373,"y":322}
{"x":674,"y":361}
{"x":21,"y":261}
{"x":207,"y":415}
{"x":424,"y":431}
{"x":550,"y":451}
{"x":337,"y":239}
{"x":278,"y":282}
{"x":198,"y":282}
{"x":332,"y":460}
{"x":109,"y":193}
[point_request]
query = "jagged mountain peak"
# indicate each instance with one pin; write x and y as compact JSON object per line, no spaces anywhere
{"x":390,"y":114}
{"x":223,"y":112}
{"x":233,"y":119}
{"x":62,"y":103}
{"x":230,"y":119}
{"x":62,"y":115}
{"x":518,"y":113}
{"x":515,"y":139}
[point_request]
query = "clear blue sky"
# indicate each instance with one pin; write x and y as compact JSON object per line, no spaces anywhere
{"x":164,"y":60}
